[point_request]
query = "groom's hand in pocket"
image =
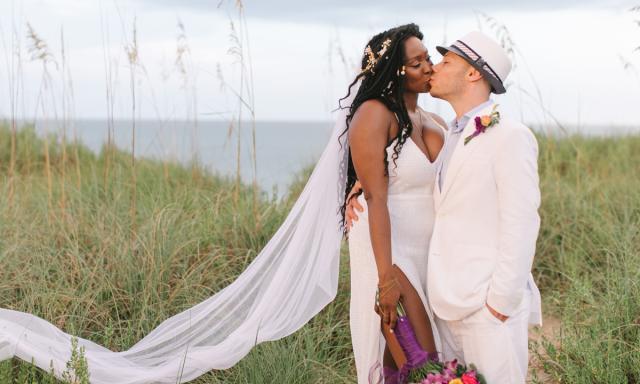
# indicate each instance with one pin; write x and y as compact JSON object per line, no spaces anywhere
{"x":497,"y":314}
{"x":353,"y":205}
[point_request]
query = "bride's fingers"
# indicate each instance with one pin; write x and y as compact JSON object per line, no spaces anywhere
{"x":385,"y":316}
{"x":349,"y":219}
{"x":392,"y":319}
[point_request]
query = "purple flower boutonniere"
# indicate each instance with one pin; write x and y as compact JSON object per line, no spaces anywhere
{"x":484,"y":122}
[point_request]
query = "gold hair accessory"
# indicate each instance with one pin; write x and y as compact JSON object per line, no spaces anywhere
{"x":385,"y":45}
{"x":372,"y":58}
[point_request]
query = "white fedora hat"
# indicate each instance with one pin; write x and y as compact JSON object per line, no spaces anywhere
{"x":485,"y":55}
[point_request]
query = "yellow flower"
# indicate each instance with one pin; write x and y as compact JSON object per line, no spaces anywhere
{"x":456,"y":381}
{"x":485,"y":120}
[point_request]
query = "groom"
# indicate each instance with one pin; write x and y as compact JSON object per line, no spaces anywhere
{"x":486,"y":197}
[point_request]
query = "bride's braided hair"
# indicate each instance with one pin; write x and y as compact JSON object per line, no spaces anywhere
{"x":381,"y":79}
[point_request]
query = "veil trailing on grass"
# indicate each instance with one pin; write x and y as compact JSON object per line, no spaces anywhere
{"x":288,"y":283}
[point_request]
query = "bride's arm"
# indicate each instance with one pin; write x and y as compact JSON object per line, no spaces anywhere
{"x":368,"y":137}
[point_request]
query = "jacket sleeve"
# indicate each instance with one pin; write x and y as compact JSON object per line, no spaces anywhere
{"x":516,"y":172}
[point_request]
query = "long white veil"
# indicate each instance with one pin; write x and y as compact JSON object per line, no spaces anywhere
{"x":288,"y":283}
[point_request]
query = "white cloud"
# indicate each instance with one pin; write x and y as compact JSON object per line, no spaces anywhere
{"x":573,"y":53}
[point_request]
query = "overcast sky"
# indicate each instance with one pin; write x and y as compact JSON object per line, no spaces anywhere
{"x":570,"y":60}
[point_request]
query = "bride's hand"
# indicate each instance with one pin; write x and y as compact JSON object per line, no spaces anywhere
{"x":389,"y":295}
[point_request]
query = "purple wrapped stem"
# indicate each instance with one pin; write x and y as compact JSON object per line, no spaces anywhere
{"x":416,"y":356}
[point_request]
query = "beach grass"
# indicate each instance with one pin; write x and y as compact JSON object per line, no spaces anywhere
{"x":70,"y":253}
{"x":588,"y":258}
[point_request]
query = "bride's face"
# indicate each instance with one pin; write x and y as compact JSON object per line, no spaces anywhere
{"x":417,"y":64}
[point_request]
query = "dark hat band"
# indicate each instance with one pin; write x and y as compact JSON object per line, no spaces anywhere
{"x":472,"y":55}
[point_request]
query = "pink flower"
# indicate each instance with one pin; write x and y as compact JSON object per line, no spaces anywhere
{"x":434,"y":379}
{"x":452,"y":365}
{"x":469,"y":378}
{"x":448,"y":375}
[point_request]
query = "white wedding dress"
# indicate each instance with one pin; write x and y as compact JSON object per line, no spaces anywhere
{"x":411,"y":210}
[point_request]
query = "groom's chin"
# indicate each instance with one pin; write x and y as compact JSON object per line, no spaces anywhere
{"x":435,"y":94}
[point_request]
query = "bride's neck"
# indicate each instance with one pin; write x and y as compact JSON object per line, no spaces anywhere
{"x":411,"y":101}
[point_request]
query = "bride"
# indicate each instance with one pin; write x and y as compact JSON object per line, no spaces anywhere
{"x":393,"y":151}
{"x":394,"y":147}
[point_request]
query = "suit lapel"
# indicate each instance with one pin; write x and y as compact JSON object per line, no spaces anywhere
{"x":462,"y":152}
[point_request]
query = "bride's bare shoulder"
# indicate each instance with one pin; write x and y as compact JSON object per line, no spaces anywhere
{"x":373,"y":108}
{"x":371,"y":116}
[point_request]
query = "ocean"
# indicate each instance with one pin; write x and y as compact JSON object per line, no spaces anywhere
{"x":283,"y":149}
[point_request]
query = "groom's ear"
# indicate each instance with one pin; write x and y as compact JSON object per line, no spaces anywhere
{"x":473,"y":74}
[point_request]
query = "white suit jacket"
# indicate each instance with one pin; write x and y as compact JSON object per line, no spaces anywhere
{"x":486,"y":224}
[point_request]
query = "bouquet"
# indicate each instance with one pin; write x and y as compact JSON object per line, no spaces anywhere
{"x":416,"y":365}
{"x":434,"y":372}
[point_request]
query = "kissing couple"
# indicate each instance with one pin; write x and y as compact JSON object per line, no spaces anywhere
{"x":448,"y":212}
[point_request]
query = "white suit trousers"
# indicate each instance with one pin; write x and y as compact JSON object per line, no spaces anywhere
{"x":498,"y":350}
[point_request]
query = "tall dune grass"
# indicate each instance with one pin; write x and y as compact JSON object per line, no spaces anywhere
{"x":86,"y":276}
{"x":588,"y":259}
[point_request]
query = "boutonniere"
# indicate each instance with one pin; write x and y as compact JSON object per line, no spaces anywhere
{"x":484,"y":122}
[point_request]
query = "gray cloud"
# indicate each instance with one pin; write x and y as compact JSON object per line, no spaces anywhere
{"x":332,"y":11}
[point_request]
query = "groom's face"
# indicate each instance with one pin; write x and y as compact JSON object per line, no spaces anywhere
{"x":448,"y":78}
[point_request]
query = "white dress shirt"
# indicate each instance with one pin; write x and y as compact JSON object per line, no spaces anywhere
{"x":455,"y":130}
